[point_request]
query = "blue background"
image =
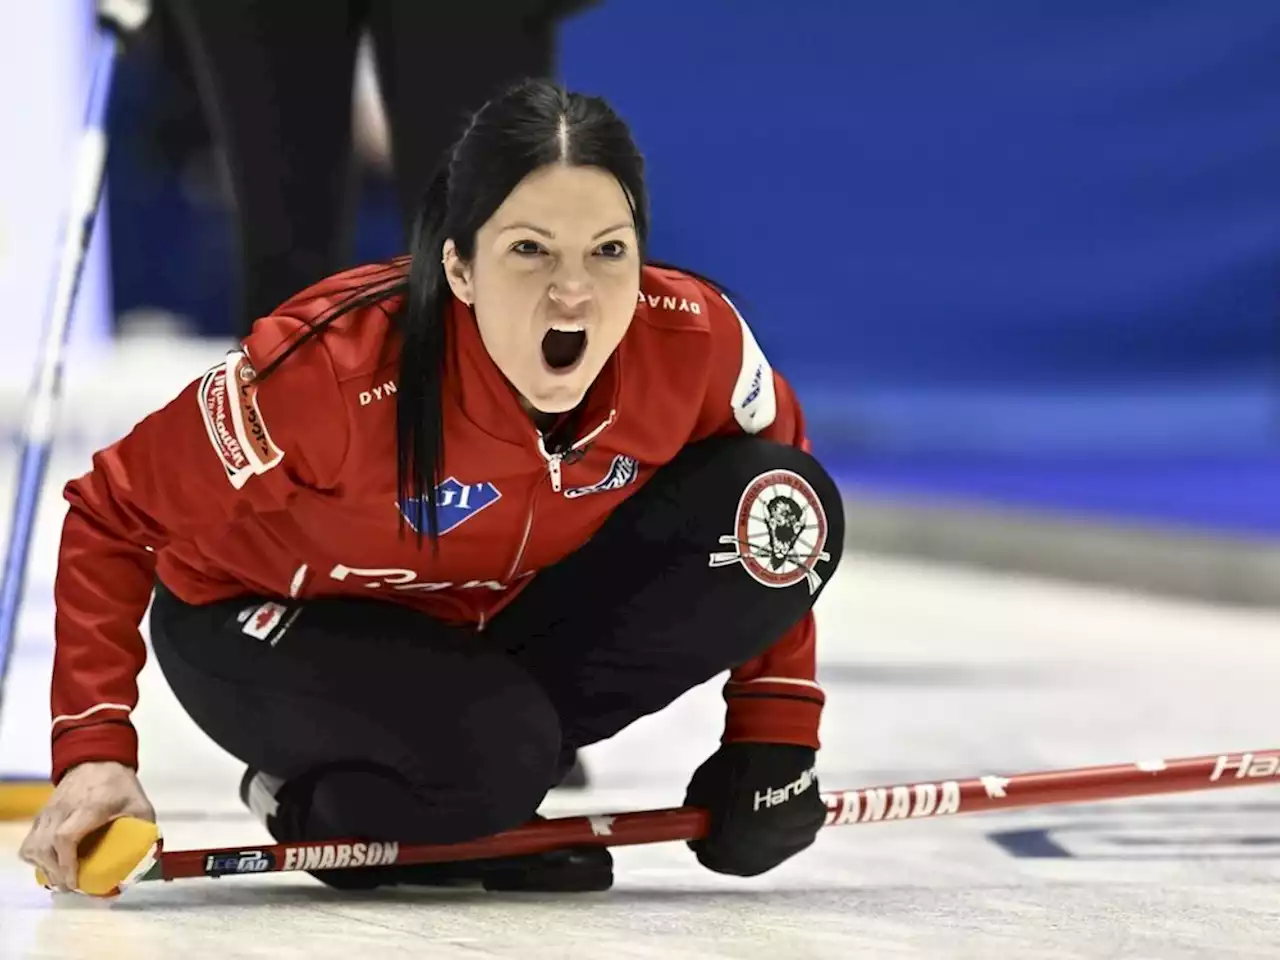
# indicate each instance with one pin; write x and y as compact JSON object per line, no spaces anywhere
{"x":1023,"y":252}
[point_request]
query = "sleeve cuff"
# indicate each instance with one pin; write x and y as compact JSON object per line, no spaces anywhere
{"x":772,"y":718}
{"x":116,"y":742}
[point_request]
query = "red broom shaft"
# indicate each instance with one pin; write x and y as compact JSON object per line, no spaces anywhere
{"x":1082,"y":785}
{"x":925,"y":799}
{"x":623,"y":829}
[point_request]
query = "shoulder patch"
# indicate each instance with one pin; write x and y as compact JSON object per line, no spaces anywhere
{"x":754,"y":400}
{"x":228,"y":398}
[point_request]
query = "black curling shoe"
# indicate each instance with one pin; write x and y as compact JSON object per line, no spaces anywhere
{"x":576,"y":778}
{"x":575,"y":870}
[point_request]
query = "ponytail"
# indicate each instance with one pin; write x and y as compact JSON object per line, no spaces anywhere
{"x":420,"y":389}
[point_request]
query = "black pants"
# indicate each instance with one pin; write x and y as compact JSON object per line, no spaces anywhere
{"x":433,"y":733}
{"x":276,"y":76}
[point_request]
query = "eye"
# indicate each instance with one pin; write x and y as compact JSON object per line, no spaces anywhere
{"x":612,"y":249}
{"x":527,"y":248}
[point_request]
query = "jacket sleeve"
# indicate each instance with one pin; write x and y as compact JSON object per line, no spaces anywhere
{"x":774,"y":698}
{"x":227,"y":445}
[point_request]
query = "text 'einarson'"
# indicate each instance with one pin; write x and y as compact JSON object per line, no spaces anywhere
{"x":341,"y":855}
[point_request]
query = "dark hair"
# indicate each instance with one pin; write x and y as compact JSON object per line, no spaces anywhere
{"x":531,"y":125}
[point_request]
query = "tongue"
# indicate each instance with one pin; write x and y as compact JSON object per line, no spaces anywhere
{"x":561,"y":348}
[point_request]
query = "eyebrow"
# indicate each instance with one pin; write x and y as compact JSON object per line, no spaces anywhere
{"x":521,"y":225}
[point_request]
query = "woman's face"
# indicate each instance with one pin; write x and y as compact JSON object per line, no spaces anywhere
{"x":554,"y":282}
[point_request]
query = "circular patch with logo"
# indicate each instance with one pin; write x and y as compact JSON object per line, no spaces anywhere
{"x":780,"y":532}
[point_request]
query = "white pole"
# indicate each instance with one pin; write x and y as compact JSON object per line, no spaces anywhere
{"x":45,"y":62}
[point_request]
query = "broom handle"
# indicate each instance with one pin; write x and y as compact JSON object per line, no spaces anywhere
{"x":912,"y":801}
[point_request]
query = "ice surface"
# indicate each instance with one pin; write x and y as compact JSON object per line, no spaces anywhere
{"x":930,"y":673}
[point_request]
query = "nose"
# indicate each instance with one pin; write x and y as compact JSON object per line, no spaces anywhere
{"x":570,"y":293}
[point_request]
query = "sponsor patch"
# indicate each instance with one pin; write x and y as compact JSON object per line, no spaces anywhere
{"x":238,"y":861}
{"x":780,"y":531}
{"x":622,"y":472}
{"x":456,"y":503}
{"x":754,"y":400}
{"x":228,"y":397}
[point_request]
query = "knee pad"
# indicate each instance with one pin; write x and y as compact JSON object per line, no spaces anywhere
{"x":781,"y":514}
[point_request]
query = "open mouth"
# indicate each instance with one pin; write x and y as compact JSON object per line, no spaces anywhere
{"x":562,"y":349}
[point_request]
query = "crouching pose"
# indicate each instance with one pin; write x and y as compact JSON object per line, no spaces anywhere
{"x":438,"y":523}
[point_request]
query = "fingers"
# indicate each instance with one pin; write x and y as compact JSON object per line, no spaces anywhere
{"x":78,"y":824}
{"x":38,"y":849}
{"x":54,"y":842}
{"x":90,"y":796}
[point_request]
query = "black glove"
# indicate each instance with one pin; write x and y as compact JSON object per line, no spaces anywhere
{"x":764,"y":804}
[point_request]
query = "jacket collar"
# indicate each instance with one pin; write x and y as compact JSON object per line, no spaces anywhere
{"x":491,"y":404}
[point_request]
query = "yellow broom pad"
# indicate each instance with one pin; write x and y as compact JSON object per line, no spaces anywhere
{"x":115,"y":856}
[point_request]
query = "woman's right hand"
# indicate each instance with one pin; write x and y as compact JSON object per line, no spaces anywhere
{"x":90,"y":796}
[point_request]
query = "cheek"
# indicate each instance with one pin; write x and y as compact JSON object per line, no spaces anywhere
{"x":494,"y":312}
{"x":504,"y":302}
{"x":619,"y":306}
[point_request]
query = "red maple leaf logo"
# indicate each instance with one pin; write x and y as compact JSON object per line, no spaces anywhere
{"x":264,"y":618}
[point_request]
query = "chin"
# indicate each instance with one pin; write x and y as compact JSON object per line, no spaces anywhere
{"x":555,"y":398}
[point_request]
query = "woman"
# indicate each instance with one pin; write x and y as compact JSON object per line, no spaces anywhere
{"x":439,"y":523}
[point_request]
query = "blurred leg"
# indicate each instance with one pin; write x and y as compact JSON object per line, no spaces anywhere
{"x":277,"y":89}
{"x":439,"y":63}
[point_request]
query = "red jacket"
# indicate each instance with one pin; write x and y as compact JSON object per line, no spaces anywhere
{"x":286,"y":488}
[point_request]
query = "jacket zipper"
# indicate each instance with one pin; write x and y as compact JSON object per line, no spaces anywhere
{"x":554,"y":459}
{"x":553,"y":469}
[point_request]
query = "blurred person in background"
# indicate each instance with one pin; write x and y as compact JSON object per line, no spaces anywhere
{"x":278,"y":88}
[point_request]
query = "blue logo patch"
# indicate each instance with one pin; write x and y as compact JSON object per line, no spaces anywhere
{"x":456,"y":503}
{"x":622,"y":471}
{"x":757,"y":382}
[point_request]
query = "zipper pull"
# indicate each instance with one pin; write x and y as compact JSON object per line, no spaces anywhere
{"x":553,"y":462}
